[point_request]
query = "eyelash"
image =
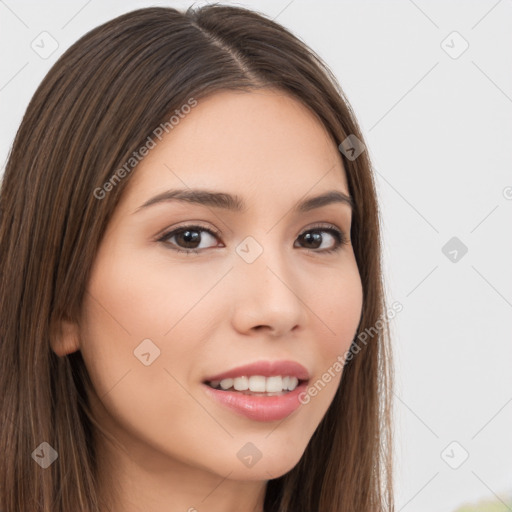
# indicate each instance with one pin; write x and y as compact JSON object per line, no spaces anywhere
{"x":339,"y":236}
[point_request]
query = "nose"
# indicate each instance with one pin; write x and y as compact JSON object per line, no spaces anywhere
{"x":267,"y":296}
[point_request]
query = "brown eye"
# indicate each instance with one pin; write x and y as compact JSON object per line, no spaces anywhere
{"x":187,"y":238}
{"x":313,"y":239}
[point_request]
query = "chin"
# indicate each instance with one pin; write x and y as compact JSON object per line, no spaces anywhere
{"x":262,"y":471}
{"x":274,"y":462}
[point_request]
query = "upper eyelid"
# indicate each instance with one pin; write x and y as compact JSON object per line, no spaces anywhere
{"x":169,"y":231}
{"x":166,"y":233}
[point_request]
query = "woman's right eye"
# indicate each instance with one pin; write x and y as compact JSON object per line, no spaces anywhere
{"x":189,"y":236}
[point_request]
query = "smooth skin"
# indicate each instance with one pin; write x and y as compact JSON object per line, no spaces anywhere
{"x":212,"y":311}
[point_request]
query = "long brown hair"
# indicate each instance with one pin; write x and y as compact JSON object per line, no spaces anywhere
{"x":95,"y":107}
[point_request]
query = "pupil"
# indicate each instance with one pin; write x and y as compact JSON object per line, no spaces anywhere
{"x":190,"y":236}
{"x":316,"y":237}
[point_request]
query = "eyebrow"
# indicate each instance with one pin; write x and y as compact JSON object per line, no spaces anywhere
{"x":236,"y":203}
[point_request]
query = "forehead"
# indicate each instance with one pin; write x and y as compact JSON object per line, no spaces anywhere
{"x":259,"y":144}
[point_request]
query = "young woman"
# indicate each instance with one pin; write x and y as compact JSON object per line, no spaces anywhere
{"x":191,"y":302}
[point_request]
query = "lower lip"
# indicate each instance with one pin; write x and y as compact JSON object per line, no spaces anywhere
{"x":259,"y":408}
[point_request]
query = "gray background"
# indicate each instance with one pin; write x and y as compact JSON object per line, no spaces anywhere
{"x":439,"y":128}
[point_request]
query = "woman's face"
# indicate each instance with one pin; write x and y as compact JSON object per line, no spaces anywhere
{"x":158,"y":323}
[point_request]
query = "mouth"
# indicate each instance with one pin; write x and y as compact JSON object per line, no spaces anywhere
{"x":257,"y":385}
{"x":261,"y":378}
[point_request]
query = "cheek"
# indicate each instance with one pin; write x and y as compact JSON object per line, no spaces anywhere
{"x":338,"y":306}
{"x":145,"y":321}
{"x":143,"y":298}
{"x":149,"y":402}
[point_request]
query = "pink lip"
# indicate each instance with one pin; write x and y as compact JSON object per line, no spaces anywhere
{"x":265,"y":369}
{"x":259,"y":408}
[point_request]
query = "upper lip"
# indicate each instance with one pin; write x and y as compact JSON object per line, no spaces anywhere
{"x":265,"y":369}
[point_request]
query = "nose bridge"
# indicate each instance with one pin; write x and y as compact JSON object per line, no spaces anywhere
{"x":260,"y":257}
{"x":266,"y":285}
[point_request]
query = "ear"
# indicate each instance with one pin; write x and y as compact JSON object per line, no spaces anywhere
{"x":65,"y":338}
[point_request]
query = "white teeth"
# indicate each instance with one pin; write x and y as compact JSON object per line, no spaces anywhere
{"x":258,"y":383}
{"x":241,"y":383}
{"x":273,"y":384}
{"x":292,"y":383}
{"x":226,"y":383}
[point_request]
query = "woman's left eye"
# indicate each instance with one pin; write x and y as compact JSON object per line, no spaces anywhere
{"x":190,"y":237}
{"x":312,"y":235}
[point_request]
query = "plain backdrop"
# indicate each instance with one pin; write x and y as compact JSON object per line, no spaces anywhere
{"x":431,"y":85}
